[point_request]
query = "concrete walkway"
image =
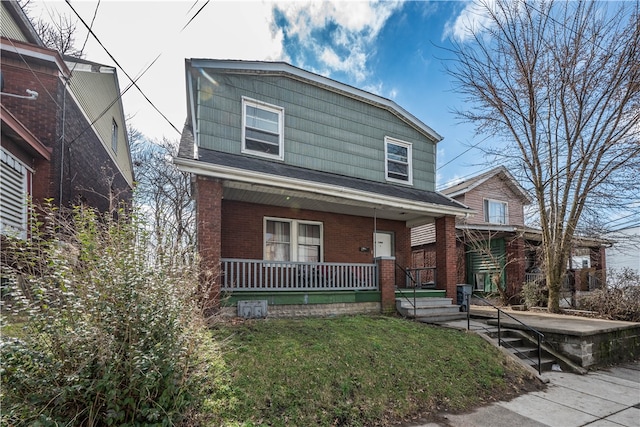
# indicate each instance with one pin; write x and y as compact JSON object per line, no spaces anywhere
{"x":604,"y":398}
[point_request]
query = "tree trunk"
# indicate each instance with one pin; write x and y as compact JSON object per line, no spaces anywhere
{"x":554,"y":284}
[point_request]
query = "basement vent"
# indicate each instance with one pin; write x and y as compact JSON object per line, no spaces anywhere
{"x":252,"y":309}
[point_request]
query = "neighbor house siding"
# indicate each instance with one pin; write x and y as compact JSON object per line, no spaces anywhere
{"x":95,"y":92}
{"x":323,"y":130}
{"x":495,"y":189}
{"x":8,"y":25}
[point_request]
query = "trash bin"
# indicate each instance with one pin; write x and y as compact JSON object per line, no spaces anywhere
{"x":461,"y":296}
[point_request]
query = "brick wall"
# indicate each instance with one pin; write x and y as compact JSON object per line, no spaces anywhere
{"x":386,"y":280}
{"x":208,"y":192}
{"x":89,"y":173}
{"x":446,"y":255}
{"x":344,"y":235}
{"x":516,"y":264}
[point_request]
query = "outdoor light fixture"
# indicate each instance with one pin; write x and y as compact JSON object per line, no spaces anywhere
{"x":364,"y":249}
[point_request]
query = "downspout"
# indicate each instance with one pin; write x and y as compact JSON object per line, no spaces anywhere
{"x":375,"y":232}
{"x":62,"y":139}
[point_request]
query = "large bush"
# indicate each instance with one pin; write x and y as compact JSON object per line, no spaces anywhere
{"x":619,"y":300}
{"x":110,"y":336}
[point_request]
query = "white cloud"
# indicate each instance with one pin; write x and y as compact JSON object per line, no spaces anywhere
{"x":472,"y":18}
{"x":357,"y":25}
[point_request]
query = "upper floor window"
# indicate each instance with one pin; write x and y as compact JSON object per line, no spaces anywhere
{"x":262,"y":129}
{"x":292,"y":240}
{"x":114,"y":136}
{"x":495,"y":212}
{"x":398,"y":161}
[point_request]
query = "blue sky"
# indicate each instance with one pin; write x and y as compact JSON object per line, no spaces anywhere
{"x":391,"y":48}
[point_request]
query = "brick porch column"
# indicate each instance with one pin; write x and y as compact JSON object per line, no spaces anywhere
{"x":446,"y":259}
{"x":209,"y":231}
{"x":387,"y":282}
{"x":515,"y":268}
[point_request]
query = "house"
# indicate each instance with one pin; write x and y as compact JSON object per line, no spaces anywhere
{"x":63,"y":128}
{"x":307,"y":189}
{"x":625,"y":252}
{"x":495,"y":246}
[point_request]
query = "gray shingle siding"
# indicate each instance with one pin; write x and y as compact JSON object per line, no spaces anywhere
{"x":324,"y":130}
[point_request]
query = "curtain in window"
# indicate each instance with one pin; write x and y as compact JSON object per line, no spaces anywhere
{"x":278,"y":241}
{"x":308,"y":243}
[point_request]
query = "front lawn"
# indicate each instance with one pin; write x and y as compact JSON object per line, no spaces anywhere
{"x":357,"y":371}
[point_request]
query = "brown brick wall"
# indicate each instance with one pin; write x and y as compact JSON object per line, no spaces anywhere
{"x":344,"y":235}
{"x":90,"y":175}
{"x":446,"y":255}
{"x":515,"y":268}
{"x":386,"y":279}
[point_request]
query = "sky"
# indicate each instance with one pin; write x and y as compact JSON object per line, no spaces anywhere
{"x":391,"y":48}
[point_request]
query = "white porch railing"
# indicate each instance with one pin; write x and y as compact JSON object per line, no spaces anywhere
{"x":259,"y":275}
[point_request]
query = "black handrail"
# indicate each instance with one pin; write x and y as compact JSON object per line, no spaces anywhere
{"x":414,"y":288}
{"x":539,"y":335}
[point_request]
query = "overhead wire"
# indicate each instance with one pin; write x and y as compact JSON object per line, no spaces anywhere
{"x":132,"y":80}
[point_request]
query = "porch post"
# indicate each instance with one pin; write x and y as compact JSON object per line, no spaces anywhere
{"x":387,"y":282}
{"x":208,"y":194}
{"x":446,"y":259}
{"x":515,"y":268}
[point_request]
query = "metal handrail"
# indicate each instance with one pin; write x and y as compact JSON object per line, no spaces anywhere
{"x":414,"y":288}
{"x":539,"y":335}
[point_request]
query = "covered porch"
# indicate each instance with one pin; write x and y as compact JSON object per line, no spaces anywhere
{"x":340,"y":246}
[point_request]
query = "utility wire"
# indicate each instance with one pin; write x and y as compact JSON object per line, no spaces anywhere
{"x":133,"y":81}
{"x":194,"y":16}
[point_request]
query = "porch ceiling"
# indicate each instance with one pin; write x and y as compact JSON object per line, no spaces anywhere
{"x":267,"y":195}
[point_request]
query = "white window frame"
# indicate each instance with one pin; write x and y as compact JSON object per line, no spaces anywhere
{"x":293,"y":242}
{"x":8,"y":161}
{"x":409,"y":146}
{"x":486,"y":208}
{"x":267,"y":107}
{"x":114,"y":135}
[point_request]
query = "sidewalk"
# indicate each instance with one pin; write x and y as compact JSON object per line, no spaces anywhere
{"x":603,"y":398}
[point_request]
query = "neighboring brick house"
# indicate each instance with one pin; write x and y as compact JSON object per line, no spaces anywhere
{"x":307,"y":188}
{"x":496,"y":239}
{"x":63,"y":128}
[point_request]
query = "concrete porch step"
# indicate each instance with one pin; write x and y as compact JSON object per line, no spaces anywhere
{"x":423,"y":302}
{"x":441,"y":318}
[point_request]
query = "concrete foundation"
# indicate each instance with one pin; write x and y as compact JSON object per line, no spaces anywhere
{"x":312,"y":310}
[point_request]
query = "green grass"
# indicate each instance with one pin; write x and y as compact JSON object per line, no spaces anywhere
{"x":356,"y":371}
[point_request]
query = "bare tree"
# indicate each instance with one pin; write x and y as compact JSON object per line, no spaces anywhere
{"x":495,"y":262}
{"x":59,"y":34}
{"x":559,"y":85}
{"x":164,"y":194}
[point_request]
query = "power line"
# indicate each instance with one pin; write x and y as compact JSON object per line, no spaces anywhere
{"x":194,"y":16}
{"x":133,"y":81}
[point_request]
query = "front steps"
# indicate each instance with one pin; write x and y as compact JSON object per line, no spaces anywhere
{"x":430,"y":310}
{"x":521,"y":346}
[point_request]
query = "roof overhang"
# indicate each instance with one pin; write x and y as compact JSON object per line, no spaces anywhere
{"x":258,"y":187}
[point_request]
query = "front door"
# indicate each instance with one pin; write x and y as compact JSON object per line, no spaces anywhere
{"x":383,"y":244}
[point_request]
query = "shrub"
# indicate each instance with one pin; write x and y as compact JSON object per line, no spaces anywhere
{"x":111,"y":337}
{"x":620,"y":300}
{"x":534,"y":294}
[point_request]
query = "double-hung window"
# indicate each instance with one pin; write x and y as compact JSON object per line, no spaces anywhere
{"x":292,"y":240}
{"x":262,"y":129}
{"x":398,"y":167}
{"x":14,"y":176}
{"x":495,"y":212}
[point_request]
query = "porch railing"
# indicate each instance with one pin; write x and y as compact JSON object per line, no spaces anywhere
{"x":421,"y":278}
{"x":261,"y":275}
